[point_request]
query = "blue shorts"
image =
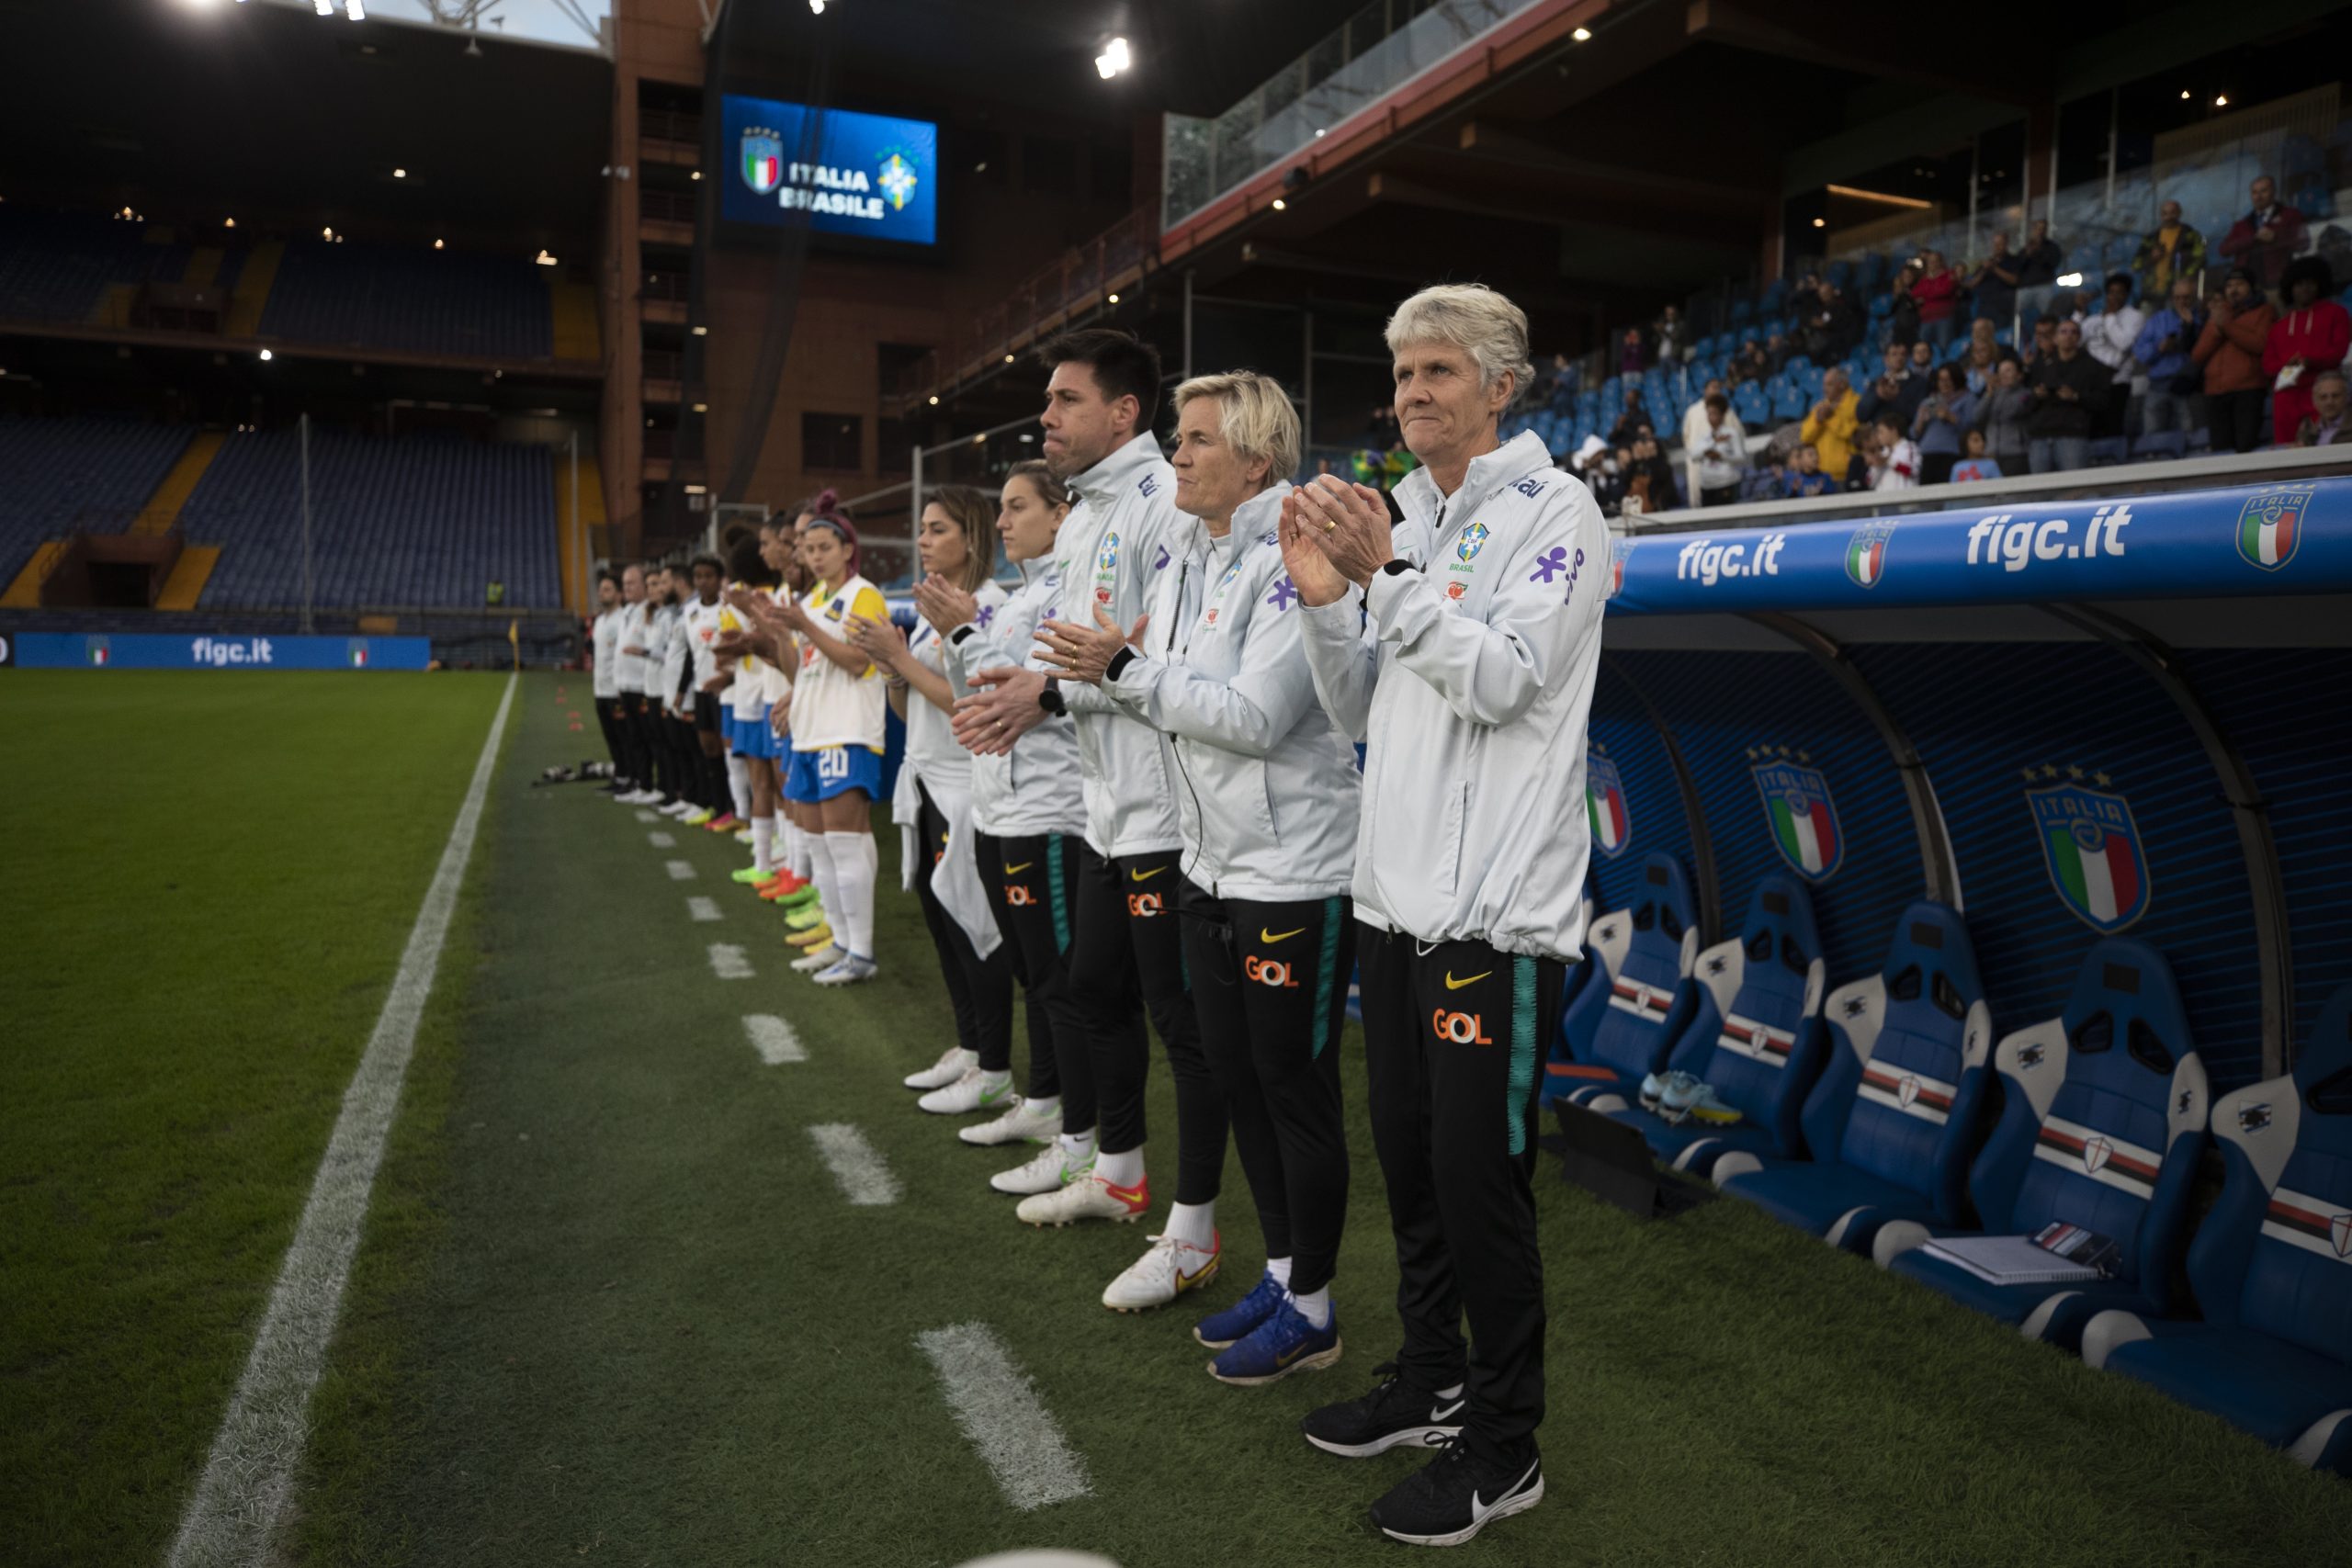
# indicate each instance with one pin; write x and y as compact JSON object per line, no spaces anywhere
{"x":823,"y":774}
{"x":752,"y":737}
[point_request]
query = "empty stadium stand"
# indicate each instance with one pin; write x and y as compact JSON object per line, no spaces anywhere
{"x":58,"y":476}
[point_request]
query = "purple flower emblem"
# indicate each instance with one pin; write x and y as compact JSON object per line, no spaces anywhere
{"x":1551,"y":564}
{"x":1283,"y":595}
{"x":988,"y":613}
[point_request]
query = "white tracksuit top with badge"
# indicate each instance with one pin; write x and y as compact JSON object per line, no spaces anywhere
{"x":1035,"y":789}
{"x":1470,"y":681}
{"x":630,"y":669}
{"x":1111,"y":550}
{"x":933,"y":753}
{"x":1266,"y":784}
{"x":677,"y":656}
{"x":605,"y":638}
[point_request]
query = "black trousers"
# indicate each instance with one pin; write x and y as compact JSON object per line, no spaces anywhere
{"x":2233,"y":420}
{"x":1269,"y":985}
{"x":979,"y":990}
{"x":1035,"y":885}
{"x":686,"y":757}
{"x":640,"y":745}
{"x":1453,"y":1040}
{"x":1128,"y":951}
{"x":608,"y":720}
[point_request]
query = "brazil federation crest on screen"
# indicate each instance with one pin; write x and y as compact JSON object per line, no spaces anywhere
{"x":1866,"y":552}
{"x":1604,"y":804}
{"x":2272,"y":525}
{"x":895,"y":179}
{"x":1803,"y":818}
{"x":2092,"y":849}
{"x":762,"y":159}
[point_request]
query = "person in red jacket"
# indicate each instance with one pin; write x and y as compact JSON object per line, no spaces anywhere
{"x":2310,"y":337}
{"x":2237,"y":325}
{"x":1937,"y":291}
{"x":2267,"y":238}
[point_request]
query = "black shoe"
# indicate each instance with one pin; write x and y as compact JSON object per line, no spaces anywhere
{"x":1393,"y":1415}
{"x":1457,"y":1495}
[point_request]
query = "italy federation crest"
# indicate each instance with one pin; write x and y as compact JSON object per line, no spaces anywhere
{"x":2093,"y":851}
{"x":1866,"y":552}
{"x":1604,"y":803}
{"x":2272,"y":525}
{"x":1803,"y":818}
{"x":1619,"y":551}
{"x":762,"y":159}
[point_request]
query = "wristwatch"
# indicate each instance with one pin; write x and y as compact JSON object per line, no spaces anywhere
{"x":1050,"y":699}
{"x":1396,"y":566}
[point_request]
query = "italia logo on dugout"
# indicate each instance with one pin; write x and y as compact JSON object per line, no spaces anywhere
{"x":1803,"y":818}
{"x":2272,"y":525}
{"x":2092,"y":849}
{"x":1604,"y":803}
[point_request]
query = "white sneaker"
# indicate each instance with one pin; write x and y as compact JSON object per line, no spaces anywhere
{"x":674,"y":809}
{"x":823,"y":958}
{"x":953,"y":1063}
{"x":743,"y":836}
{"x":1022,"y":1123}
{"x":848,"y":972}
{"x":1051,"y":1170}
{"x":968,"y":1094}
{"x":1089,"y":1197}
{"x":700,"y":816}
{"x":1164,"y":1272}
{"x":638,"y":798}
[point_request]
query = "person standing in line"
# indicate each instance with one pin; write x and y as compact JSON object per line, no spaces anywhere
{"x":604,"y":642}
{"x":2230,"y":349}
{"x":2109,"y":337}
{"x":704,"y":611}
{"x":628,"y":676}
{"x":1269,"y":817}
{"x":2309,"y":337}
{"x":1471,"y":852}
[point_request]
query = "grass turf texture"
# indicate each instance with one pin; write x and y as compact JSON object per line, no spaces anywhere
{"x":622,"y":1314}
{"x":211,"y":879}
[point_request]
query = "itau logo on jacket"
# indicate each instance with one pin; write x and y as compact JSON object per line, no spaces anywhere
{"x":2091,"y":846}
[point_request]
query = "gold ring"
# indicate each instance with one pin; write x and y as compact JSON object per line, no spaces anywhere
{"x":1330,"y":527}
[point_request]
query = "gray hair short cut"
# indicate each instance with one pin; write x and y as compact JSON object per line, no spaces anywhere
{"x":1256,"y":419}
{"x":1475,"y":319}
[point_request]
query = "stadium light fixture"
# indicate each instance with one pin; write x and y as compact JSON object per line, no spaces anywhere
{"x":2184,"y":92}
{"x":1114,"y":298}
{"x":695,"y":174}
{"x":701,"y":331}
{"x":702,"y":407}
{"x":400,"y":173}
{"x":704,"y":490}
{"x":1821,"y":222}
{"x":816,"y":8}
{"x":1007,"y":359}
{"x":543,"y":259}
{"x":2222,"y":102}
{"x":227,"y":222}
{"x":935,"y":399}
{"x":355,"y":10}
{"x":266,"y":357}
{"x":325,"y":7}
{"x":1114,"y":59}
{"x":437,"y":245}
{"x":2070,"y":280}
{"x":327,"y":233}
{"x":1582,"y":35}
{"x":1281,"y":206}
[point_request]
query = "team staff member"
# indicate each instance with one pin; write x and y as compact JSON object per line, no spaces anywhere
{"x":1268,"y":810}
{"x":604,"y":641}
{"x":1099,"y":403}
{"x":1029,"y":815}
{"x":629,"y":676}
{"x":1461,"y":648}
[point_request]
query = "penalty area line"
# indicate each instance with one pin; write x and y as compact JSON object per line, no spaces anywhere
{"x":999,"y":1409}
{"x":249,"y":1474}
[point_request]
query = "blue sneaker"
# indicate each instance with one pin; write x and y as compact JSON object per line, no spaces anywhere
{"x":1283,"y":1344}
{"x":1220,"y":1329}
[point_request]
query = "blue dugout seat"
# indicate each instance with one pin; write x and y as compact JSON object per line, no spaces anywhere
{"x":1890,"y":1123}
{"x":1626,"y":1015}
{"x":1754,"y":1034}
{"x":2271,"y":1266}
{"x":2102,"y":1124}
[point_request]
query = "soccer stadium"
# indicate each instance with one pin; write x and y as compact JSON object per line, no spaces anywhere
{"x":1117,"y":784}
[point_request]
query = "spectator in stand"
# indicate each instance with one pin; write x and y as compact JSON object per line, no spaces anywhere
{"x":1561,"y":393}
{"x":1777,"y":351}
{"x":2037,"y":266}
{"x":2109,"y":337}
{"x":1672,"y":335}
{"x":1694,"y":418}
{"x":1803,"y":476}
{"x":1831,"y":324}
{"x":1747,"y":365}
{"x":1976,"y":460}
{"x":2002,"y":413}
{"x":1629,"y":352}
{"x":1631,"y":421}
{"x":1993,"y":285}
{"x":1903,"y":321}
{"x":1649,"y":480}
{"x":1893,"y":457}
{"x":1716,"y":449}
{"x":1608,"y":475}
{"x":1585,"y":463}
{"x":1829,"y":424}
{"x":2310,"y":336}
{"x":2172,"y":250}
{"x":2267,"y":238}
{"x":2044,"y":343}
{"x":1985,"y":354}
{"x":2324,"y":426}
{"x":1923,"y":361}
{"x":2237,"y":329}
{"x":2174,"y":384}
{"x":1944,"y":413}
{"x":2068,"y":386}
{"x":1937,"y":293}
{"x":1898,"y":387}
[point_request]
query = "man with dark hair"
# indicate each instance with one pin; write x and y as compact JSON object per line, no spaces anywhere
{"x":2068,"y":386}
{"x":699,"y":622}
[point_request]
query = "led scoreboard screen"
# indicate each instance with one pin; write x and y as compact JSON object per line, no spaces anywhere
{"x":858,"y":174}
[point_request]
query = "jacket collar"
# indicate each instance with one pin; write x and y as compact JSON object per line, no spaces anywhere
{"x":1100,"y":484}
{"x":1522,"y":455}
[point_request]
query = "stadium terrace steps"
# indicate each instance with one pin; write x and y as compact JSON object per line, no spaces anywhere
{"x":574,"y":331}
{"x":189,"y":574}
{"x":163,"y":508}
{"x":571,"y":550}
{"x":62,"y":476}
{"x":24,"y":593}
{"x":254,"y":279}
{"x":113,"y":308}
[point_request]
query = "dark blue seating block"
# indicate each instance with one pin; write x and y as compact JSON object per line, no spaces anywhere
{"x":1623,"y":1022}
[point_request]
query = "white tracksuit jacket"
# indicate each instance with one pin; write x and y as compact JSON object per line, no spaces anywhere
{"x":1266,"y":784}
{"x":677,"y":658}
{"x":630,"y":669}
{"x":605,"y":638}
{"x":1034,"y":790}
{"x":1111,"y":550}
{"x":1469,"y":680}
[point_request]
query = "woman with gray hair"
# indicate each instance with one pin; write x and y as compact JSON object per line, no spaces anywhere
{"x":1266,"y":797}
{"x":1460,"y":648}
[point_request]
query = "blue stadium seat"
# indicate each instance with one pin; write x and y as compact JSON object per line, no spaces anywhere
{"x":1639,"y":995}
{"x":2271,"y":1266}
{"x":2102,"y":1124}
{"x":1754,"y":1035}
{"x":1891,"y":1121}
{"x":1791,"y":403}
{"x":2160,"y":444}
{"x":2106,"y":450}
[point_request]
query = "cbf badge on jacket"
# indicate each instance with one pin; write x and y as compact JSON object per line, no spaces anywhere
{"x":1106,"y":569}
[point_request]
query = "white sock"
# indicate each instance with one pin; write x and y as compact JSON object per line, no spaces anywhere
{"x":992,"y":1082}
{"x":1194,"y":1225}
{"x":1315,"y":1306}
{"x":855,"y":860}
{"x":1280,"y":1269}
{"x":1078,"y":1146}
{"x":828,"y":898}
{"x":1121,"y":1169}
{"x":763,"y":845}
{"x":798,"y":859}
{"x":1050,"y":1108}
{"x":739,"y":785}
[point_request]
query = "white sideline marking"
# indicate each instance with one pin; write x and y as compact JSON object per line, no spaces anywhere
{"x":704,"y":908}
{"x":856,"y":1165}
{"x":727,"y":962}
{"x":1000,"y":1412}
{"x":681,"y":870}
{"x":774,"y":1039}
{"x":661,"y":840}
{"x":645,"y":816}
{"x":235,"y":1509}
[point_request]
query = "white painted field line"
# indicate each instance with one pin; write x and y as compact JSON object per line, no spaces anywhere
{"x":645,"y":816}
{"x":247,"y":1478}
{"x":1000,"y":1412}
{"x":856,"y":1165}
{"x":661,"y":840}
{"x":727,"y":961}
{"x":704,"y":910}
{"x":681,"y":870}
{"x":774,"y":1039}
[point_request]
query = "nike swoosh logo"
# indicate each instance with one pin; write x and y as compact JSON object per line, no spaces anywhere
{"x":1454,"y":985}
{"x":1480,"y":1508}
{"x":1270,"y":938}
{"x":1017,"y":870}
{"x":1287,"y":1357}
{"x":1449,"y":1412}
{"x":1146,"y":876}
{"x":1128,"y":1195}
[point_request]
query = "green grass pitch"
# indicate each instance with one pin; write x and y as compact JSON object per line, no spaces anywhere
{"x":611,"y":1307}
